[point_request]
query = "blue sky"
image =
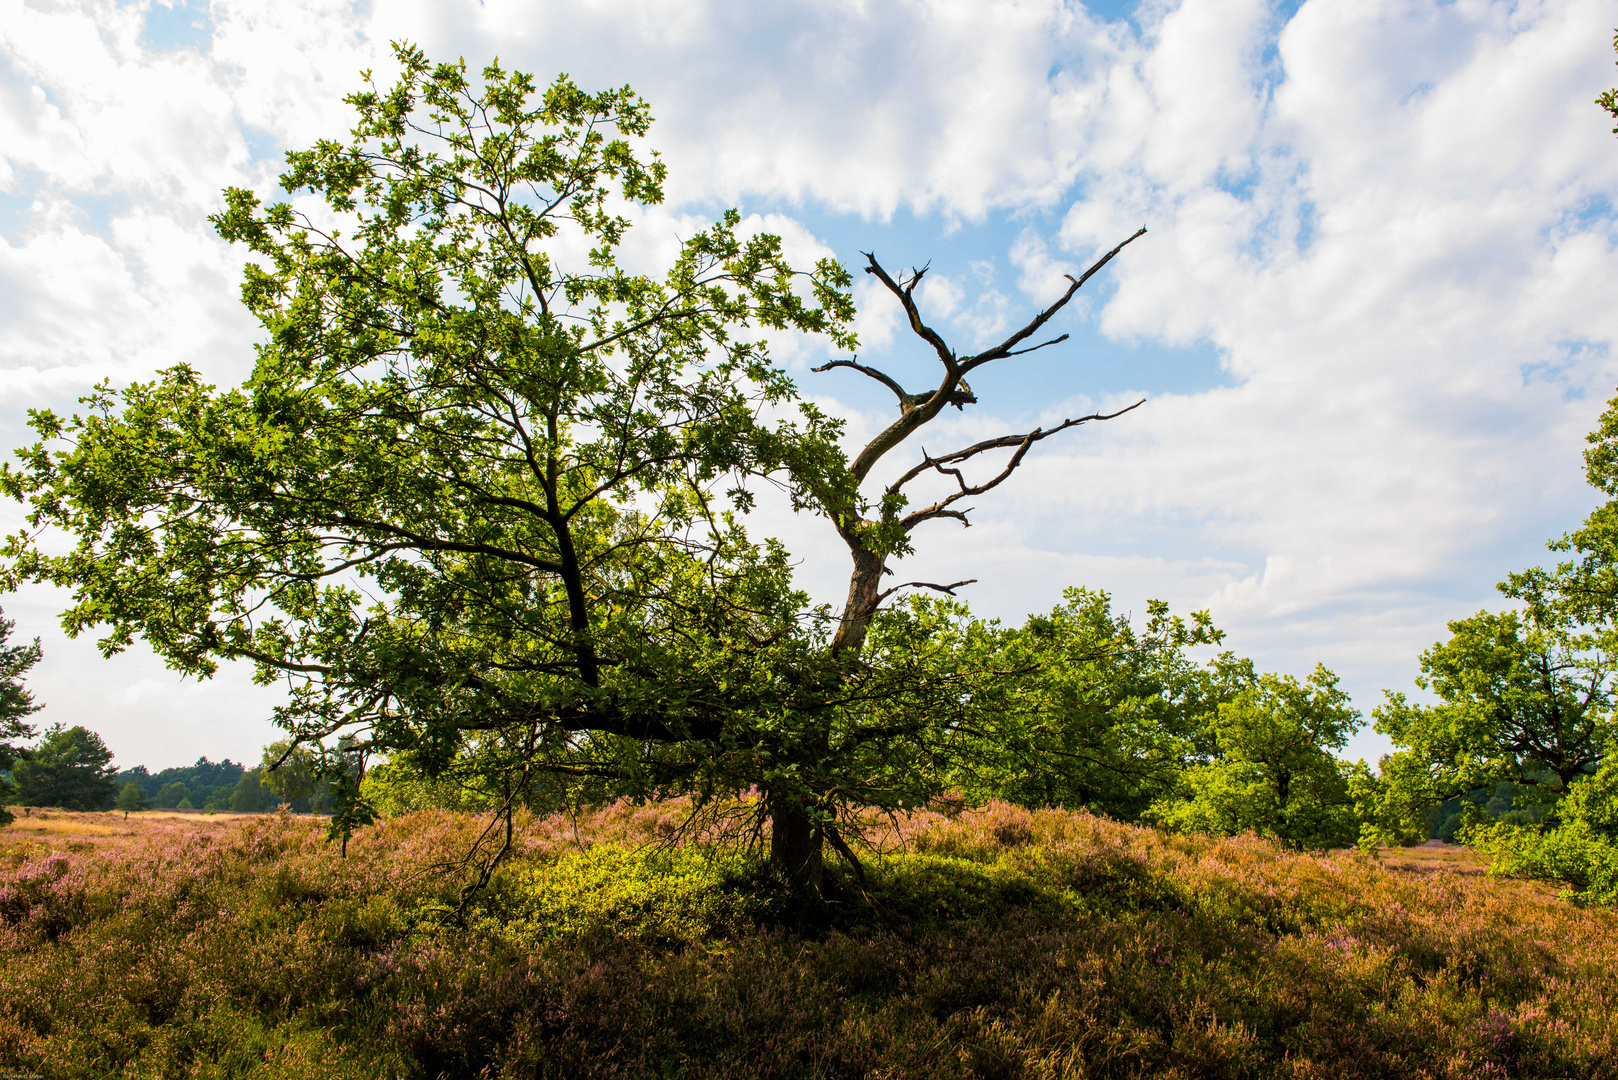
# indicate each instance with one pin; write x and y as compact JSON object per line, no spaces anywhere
{"x":1372,"y":316}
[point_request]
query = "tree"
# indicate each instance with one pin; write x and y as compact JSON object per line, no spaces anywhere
{"x":70,"y":768}
{"x":251,"y":796}
{"x":15,"y":703}
{"x":1521,"y":697}
{"x":478,"y":500}
{"x":141,"y":777}
{"x":169,"y":796}
{"x":1274,"y":772}
{"x":130,"y":797}
{"x":1101,"y":715}
{"x":1391,"y":804}
{"x":292,"y":772}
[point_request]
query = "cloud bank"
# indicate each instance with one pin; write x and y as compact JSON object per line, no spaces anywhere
{"x":1392,"y":223}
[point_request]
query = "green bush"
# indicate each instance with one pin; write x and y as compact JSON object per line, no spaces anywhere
{"x":1580,"y":850}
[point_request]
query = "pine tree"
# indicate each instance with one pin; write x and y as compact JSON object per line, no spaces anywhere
{"x":15,"y":703}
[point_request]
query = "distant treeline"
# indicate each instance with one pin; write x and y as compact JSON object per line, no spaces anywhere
{"x":214,"y":785}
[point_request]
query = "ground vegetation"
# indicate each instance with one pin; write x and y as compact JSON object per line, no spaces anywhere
{"x":999,"y":942}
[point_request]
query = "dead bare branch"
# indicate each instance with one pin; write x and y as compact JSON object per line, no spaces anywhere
{"x":905,"y":400}
{"x":1036,"y":348}
{"x":948,"y":590}
{"x":1007,"y":347}
{"x":1002,"y":442}
{"x":915,"y":412}
{"x":942,"y":465}
{"x":905,"y":293}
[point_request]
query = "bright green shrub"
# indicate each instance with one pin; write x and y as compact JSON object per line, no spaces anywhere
{"x":676,"y":896}
{"x":1274,"y":773}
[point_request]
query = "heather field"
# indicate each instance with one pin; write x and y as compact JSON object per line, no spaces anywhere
{"x":994,"y":943}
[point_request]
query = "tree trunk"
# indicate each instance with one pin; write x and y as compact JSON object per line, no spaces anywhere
{"x":864,"y":586}
{"x":796,"y":843}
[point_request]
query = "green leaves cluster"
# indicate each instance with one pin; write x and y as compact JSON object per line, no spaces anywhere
{"x":475,"y":482}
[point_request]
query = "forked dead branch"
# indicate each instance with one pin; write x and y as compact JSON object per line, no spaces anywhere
{"x":798,"y":828}
{"x":916,"y":410}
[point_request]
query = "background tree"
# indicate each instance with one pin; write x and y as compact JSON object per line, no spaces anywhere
{"x":251,"y":795}
{"x":1274,"y":772}
{"x":169,"y":796}
{"x":1391,"y":804}
{"x":294,"y":773}
{"x":130,"y":797}
{"x":15,"y":704}
{"x":1564,"y":708}
{"x":1101,"y":715}
{"x":1521,"y":698}
{"x":198,"y":781}
{"x":70,"y":768}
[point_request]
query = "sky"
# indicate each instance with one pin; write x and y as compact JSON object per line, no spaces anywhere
{"x":1372,"y":318}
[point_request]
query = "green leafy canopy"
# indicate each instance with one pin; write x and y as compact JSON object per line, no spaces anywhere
{"x":474,"y":483}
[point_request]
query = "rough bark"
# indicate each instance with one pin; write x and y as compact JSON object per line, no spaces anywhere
{"x":797,"y":843}
{"x":864,"y":588}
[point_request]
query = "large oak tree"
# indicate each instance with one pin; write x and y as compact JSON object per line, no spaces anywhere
{"x":477,"y":505}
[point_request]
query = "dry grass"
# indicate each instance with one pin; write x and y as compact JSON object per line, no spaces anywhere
{"x":1435,"y":856}
{"x":80,"y":831}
